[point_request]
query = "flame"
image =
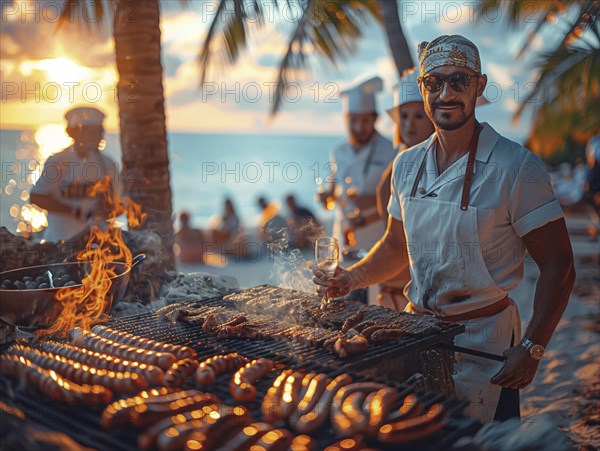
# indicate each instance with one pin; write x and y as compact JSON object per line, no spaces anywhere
{"x":84,"y":305}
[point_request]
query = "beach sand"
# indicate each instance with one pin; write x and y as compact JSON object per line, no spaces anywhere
{"x":567,"y":385}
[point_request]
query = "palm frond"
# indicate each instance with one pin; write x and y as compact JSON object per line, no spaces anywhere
{"x":331,"y":28}
{"x":228,"y":32}
{"x":519,"y":12}
{"x":567,"y":71}
{"x":75,"y":11}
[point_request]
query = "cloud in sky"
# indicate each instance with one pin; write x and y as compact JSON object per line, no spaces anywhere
{"x":26,"y":43}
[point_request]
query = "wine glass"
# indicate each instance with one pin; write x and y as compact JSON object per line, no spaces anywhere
{"x":327,"y":256}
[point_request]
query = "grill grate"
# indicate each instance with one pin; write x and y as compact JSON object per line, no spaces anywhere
{"x":300,"y":353}
{"x":82,"y":422}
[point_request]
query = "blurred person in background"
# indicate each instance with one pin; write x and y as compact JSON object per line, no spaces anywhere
{"x":228,"y":233}
{"x":65,"y":186}
{"x":271,"y":225}
{"x":412,"y":126}
{"x":358,"y":163}
{"x":592,"y":187}
{"x":188,"y":241}
{"x":304,"y":227}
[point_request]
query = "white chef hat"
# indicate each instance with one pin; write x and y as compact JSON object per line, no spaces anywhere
{"x":406,"y":91}
{"x":361,"y":98}
{"x":80,"y":116}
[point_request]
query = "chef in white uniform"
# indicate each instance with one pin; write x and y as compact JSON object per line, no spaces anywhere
{"x":467,"y":204}
{"x":359,"y":163}
{"x":64,"y":188}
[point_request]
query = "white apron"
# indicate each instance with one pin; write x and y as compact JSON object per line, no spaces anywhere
{"x":449,"y":277}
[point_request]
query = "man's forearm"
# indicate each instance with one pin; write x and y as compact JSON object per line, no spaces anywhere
{"x":550,"y":248}
{"x":51,"y":204}
{"x":551,"y":297}
{"x":384,"y":261}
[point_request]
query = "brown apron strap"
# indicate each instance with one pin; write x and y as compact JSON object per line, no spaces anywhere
{"x":413,"y":191}
{"x":466,"y":193}
{"x":482,"y":312}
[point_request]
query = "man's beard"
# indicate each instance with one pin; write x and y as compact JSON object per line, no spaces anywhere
{"x":454,"y":125}
{"x":450,"y":126}
{"x":360,"y":140}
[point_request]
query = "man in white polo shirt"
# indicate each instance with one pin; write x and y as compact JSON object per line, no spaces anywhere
{"x":358,"y":164}
{"x":65,"y":186}
{"x":468,"y":203}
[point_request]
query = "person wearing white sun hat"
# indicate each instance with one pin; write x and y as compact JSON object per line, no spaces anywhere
{"x":64,"y":188}
{"x":411,"y":126}
{"x":467,"y":204}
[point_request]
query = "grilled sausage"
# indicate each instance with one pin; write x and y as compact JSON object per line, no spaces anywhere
{"x":367,"y":404}
{"x":180,"y":352}
{"x":217,"y":365}
{"x":147,"y":440}
{"x":246,"y":438}
{"x":383,"y":335}
{"x":316,"y":388}
{"x":345,"y":347}
{"x":150,"y":413}
{"x":349,"y":418}
{"x":242,"y":387}
{"x":153,"y":374}
{"x":290,"y":394}
{"x":120,"y":412}
{"x":94,"y":342}
{"x":381,"y":407}
{"x":50,"y":384}
{"x":180,"y":371}
{"x":411,"y":407}
{"x":175,"y":437}
{"x":415,"y":428}
{"x":275,"y":440}
{"x":302,"y":443}
{"x":82,"y":374}
{"x":354,"y":320}
{"x":316,"y":417}
{"x":271,"y":405}
{"x":213,"y":431}
{"x":347,"y":444}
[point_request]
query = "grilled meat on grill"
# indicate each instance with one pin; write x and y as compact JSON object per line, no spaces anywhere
{"x":50,"y":384}
{"x":118,"y":382}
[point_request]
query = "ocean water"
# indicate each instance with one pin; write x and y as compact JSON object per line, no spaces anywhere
{"x":205,"y":169}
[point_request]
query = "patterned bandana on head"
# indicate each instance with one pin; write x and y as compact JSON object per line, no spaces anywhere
{"x":447,"y":50}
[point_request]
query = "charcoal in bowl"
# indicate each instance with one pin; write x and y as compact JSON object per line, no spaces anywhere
{"x":61,"y":279}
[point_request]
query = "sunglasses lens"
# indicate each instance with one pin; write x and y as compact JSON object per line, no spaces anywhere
{"x":459,"y":82}
{"x":432,"y":83}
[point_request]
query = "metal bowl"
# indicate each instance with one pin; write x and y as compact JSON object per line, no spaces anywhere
{"x":38,"y":307}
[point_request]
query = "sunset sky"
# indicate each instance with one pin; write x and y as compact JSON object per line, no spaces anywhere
{"x":44,"y":71}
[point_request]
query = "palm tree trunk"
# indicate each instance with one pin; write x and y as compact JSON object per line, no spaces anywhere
{"x":396,"y":39}
{"x":142,"y":116}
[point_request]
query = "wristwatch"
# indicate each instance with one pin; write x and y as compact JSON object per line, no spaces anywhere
{"x":536,"y":352}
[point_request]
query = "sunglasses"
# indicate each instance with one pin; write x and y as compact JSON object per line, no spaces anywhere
{"x":458,"y":81}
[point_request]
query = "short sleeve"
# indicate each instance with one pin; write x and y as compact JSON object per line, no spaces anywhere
{"x":532,"y":202}
{"x":394,"y":208}
{"x":50,"y":178}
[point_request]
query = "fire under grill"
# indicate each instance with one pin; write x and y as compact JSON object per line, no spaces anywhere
{"x":391,"y":363}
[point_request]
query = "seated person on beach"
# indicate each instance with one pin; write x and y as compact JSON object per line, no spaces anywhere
{"x":228,"y":233}
{"x":188,"y":241}
{"x":271,"y":226}
{"x":304,"y":227}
